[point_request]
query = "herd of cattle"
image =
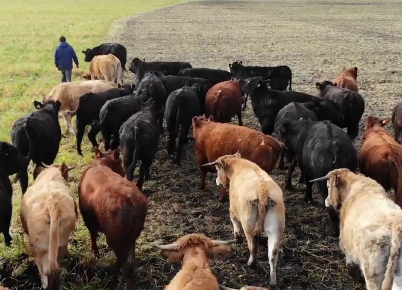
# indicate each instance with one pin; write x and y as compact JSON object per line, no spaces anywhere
{"x":308,"y":132}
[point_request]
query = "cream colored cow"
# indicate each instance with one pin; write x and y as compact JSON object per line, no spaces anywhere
{"x":106,"y":67}
{"x":370,"y":227}
{"x":48,"y":215}
{"x":256,"y":204}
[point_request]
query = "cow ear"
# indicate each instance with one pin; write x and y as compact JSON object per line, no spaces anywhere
{"x":230,"y":65}
{"x":355,"y":68}
{"x":116,"y":155}
{"x":318,"y":85}
{"x":83,"y":51}
{"x":172,"y":256}
{"x":385,"y":122}
{"x":38,"y":105}
{"x":4,"y":148}
{"x":240,"y":62}
{"x":219,"y":252}
{"x":143,"y":59}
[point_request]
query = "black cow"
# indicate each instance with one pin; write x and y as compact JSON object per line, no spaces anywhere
{"x":167,"y":67}
{"x":326,"y":109}
{"x":181,"y":106}
{"x":116,"y":49}
{"x":291,"y":112}
{"x":319,"y":147}
{"x":213,"y":75}
{"x":397,"y":122}
{"x":115,"y":112}
{"x":37,"y":136}
{"x":88,"y":110}
{"x":11,"y":162}
{"x":280,"y":76}
{"x":351,"y":105}
{"x":139,"y":137}
{"x":267,"y":103}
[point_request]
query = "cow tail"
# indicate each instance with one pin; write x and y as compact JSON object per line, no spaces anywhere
{"x":262,"y":211}
{"x":31,"y":139}
{"x":215,"y":107}
{"x":177,"y":124}
{"x":290,"y":81}
{"x":396,"y":231}
{"x":55,"y":216}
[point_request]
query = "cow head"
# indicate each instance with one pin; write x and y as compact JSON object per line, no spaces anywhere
{"x":195,"y":248}
{"x":222,"y":165}
{"x":324,"y":84}
{"x":64,"y":169}
{"x":252,"y":85}
{"x":135,"y":65}
{"x":11,"y":161}
{"x":54,"y":104}
{"x":89,"y":54}
{"x":235,"y":67}
{"x":127,"y":89}
{"x":374,"y":124}
{"x":110,"y":159}
{"x":351,"y":71}
{"x":338,"y":183}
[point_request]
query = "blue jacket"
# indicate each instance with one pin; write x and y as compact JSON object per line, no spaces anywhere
{"x":64,"y":56}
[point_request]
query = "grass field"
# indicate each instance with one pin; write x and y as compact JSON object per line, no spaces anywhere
{"x":315,"y":38}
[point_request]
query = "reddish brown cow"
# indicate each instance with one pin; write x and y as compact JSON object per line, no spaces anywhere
{"x":380,"y":157}
{"x":213,"y":140}
{"x":111,"y":204}
{"x":347,"y":79}
{"x":223,"y":101}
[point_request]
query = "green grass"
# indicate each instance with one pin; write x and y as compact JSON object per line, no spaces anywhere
{"x":29,"y":34}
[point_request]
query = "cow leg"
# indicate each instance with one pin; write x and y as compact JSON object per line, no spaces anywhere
{"x":373,"y":280}
{"x":245,"y":102}
{"x":69,"y":125}
{"x":308,"y":197}
{"x":281,"y":164}
{"x":6,"y":229}
{"x":182,"y":139}
{"x":239,"y":116}
{"x":172,"y":141}
{"x":23,"y":175}
{"x":292,"y":165}
{"x":130,"y":270}
{"x":115,"y":142}
{"x":44,"y":280}
{"x":353,"y":131}
{"x":128,"y":154}
{"x":202,"y":160}
{"x":92,"y":134}
{"x":106,"y":139}
{"x":94,"y":246}
{"x":134,"y":159}
{"x":236,"y":225}
{"x":272,"y":228}
{"x":248,"y":225}
{"x":144,"y":170}
{"x":334,"y":221}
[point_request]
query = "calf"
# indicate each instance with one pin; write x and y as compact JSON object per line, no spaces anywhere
{"x":114,"y":206}
{"x":139,"y":137}
{"x":194,"y":252}
{"x":319,"y":147}
{"x":213,"y":75}
{"x":267,"y":102}
{"x":351,"y":105}
{"x":280,"y":76}
{"x":68,"y":94}
{"x":11,"y":162}
{"x":397,"y":122}
{"x":181,"y":106}
{"x":106,"y":67}
{"x":291,"y":112}
{"x":347,"y":79}
{"x":48,"y":216}
{"x":213,"y":140}
{"x":167,"y":67}
{"x":37,"y":136}
{"x":380,"y":157}
{"x":116,"y":49}
{"x":88,"y":112}
{"x":256,"y":205}
{"x":223,"y":101}
{"x":371,"y":227}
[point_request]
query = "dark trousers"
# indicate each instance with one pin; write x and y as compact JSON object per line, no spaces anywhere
{"x":66,"y":75}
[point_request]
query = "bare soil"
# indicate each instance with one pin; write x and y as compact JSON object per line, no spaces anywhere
{"x":316,"y":39}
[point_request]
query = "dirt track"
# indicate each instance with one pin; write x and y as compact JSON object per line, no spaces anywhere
{"x":316,"y":40}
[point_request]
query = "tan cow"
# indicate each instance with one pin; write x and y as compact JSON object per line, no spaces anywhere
{"x":347,"y":79}
{"x":48,"y":215}
{"x":370,"y":227}
{"x":194,"y":252}
{"x":256,"y":204}
{"x":69,"y":94}
{"x":106,"y":67}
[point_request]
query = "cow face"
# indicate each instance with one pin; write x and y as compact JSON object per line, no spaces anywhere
{"x":38,"y":105}
{"x":337,"y":184}
{"x":11,"y":161}
{"x":89,"y":55}
{"x":235,"y":67}
{"x":135,"y":65}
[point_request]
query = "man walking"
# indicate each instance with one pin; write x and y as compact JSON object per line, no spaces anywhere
{"x":63,"y":59}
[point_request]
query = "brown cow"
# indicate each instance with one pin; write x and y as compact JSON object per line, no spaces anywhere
{"x":213,"y":140}
{"x":397,"y":122}
{"x":111,"y":204}
{"x":380,"y":157}
{"x":106,"y":67}
{"x":347,"y":79}
{"x":69,"y":94}
{"x":223,"y":101}
{"x":194,"y":252}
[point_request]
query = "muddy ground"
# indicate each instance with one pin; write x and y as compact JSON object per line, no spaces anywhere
{"x":316,"y":40}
